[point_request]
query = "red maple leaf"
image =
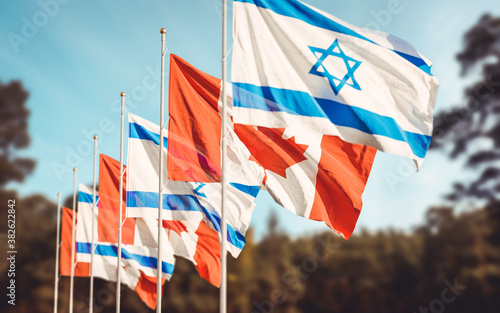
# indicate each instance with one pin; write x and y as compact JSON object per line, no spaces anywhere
{"x":269,"y":149}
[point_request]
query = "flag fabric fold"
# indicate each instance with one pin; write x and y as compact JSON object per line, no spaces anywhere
{"x":294,"y":64}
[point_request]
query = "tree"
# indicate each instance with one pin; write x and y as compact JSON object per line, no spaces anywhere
{"x":13,"y":133}
{"x":476,"y":125}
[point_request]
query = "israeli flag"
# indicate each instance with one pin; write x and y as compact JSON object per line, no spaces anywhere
{"x":296,"y":65}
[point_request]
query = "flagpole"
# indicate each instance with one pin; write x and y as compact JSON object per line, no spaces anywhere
{"x":163,"y":31}
{"x":91,"y":297}
{"x":120,"y":217}
{"x":58,"y":245}
{"x":223,"y":254}
{"x":73,"y":244}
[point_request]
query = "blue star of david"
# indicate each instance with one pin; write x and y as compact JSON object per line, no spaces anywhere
{"x":350,"y":63}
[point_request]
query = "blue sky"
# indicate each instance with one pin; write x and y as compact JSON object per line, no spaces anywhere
{"x":75,"y":57}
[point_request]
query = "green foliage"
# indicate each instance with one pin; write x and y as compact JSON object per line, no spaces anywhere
{"x":386,"y":271}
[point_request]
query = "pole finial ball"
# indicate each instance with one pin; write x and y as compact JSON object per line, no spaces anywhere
{"x":96,"y":137}
{"x":58,"y":194}
{"x":163,"y":31}
{"x":122,"y":94}
{"x":75,"y":169}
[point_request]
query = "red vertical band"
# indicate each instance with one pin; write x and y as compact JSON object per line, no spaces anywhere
{"x":342,"y":174}
{"x":194,"y":126}
{"x":81,"y":269}
{"x":109,"y":194}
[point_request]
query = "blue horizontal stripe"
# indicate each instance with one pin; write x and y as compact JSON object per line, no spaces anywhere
{"x":106,"y":250}
{"x":138,"y":131}
{"x":251,"y":190}
{"x":234,"y":237}
{"x":295,"y":9}
{"x":301,"y":103}
{"x":86,"y":197}
{"x":143,"y":199}
{"x":418,"y":62}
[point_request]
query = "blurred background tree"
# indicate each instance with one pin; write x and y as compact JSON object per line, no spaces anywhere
{"x":473,"y":130}
{"x":35,"y":215}
{"x":13,"y":137}
{"x":13,"y":133}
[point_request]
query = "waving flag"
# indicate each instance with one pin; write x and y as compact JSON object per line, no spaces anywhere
{"x":296,"y":65}
{"x":316,"y":176}
{"x":185,"y":201}
{"x":192,"y":240}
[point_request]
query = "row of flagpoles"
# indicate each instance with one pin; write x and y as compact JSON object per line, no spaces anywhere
{"x":223,"y":288}
{"x":300,"y":112}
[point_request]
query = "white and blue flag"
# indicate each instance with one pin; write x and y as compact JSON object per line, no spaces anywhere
{"x":296,"y":65}
{"x":183,"y":201}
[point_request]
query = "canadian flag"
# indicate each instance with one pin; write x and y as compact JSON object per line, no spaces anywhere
{"x":317,"y":176}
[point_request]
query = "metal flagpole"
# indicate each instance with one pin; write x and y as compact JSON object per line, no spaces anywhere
{"x":91,"y":297}
{"x":73,"y":245}
{"x":120,"y":217}
{"x":223,"y":254}
{"x":58,"y":245}
{"x":163,"y":31}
